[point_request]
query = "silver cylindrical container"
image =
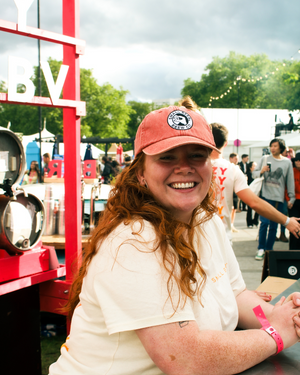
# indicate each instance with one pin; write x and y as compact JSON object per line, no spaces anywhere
{"x":49,"y":212}
{"x":61,"y":216}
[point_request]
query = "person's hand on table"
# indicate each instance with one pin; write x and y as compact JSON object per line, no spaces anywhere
{"x":266,"y":297}
{"x":295,"y":298}
{"x":283,"y":318}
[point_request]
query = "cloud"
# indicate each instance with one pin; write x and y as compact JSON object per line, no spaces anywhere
{"x":150,"y":47}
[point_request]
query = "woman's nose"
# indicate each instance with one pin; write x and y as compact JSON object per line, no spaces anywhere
{"x":183,"y":165}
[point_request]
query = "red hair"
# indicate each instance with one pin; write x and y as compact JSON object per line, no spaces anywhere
{"x":129,"y":201}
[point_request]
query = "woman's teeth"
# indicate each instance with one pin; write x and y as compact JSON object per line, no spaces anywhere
{"x":183,"y":185}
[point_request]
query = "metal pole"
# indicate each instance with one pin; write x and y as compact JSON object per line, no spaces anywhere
{"x":238,"y":107}
{"x":39,"y":85}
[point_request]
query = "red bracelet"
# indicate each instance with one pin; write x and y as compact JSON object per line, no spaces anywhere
{"x":266,"y":326}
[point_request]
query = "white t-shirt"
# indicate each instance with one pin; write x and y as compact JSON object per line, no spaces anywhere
{"x":124,"y":294}
{"x":229,"y":178}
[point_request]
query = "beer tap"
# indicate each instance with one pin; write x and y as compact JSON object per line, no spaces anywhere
{"x":99,"y":186}
{"x":92,"y":221}
{"x":98,"y":189}
{"x":22,"y":189}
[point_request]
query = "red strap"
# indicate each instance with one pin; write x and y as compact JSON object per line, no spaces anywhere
{"x":266,"y":326}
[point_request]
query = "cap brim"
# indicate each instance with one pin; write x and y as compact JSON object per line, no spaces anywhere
{"x":169,"y":143}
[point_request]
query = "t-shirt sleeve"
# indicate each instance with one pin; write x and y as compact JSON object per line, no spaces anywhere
{"x":131,"y":289}
{"x":290,"y":183}
{"x":240,"y":181}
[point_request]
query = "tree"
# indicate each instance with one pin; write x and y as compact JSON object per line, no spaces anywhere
{"x":21,"y":116}
{"x":139,"y":111}
{"x":107,"y":112}
{"x":291,"y":80}
{"x":238,"y":81}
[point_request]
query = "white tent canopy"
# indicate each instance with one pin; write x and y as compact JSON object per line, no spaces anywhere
{"x":249,"y":125}
{"x":291,"y":140}
{"x":47,"y":145}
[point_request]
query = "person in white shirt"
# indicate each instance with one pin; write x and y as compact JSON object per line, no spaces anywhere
{"x":160,"y":290}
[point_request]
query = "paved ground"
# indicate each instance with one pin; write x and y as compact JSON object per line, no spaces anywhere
{"x":245,"y":247}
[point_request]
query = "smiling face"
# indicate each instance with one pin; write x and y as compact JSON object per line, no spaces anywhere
{"x":179,"y":178}
{"x":254,"y":165}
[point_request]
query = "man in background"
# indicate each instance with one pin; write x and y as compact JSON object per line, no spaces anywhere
{"x":278,"y":175}
{"x":243,"y":164}
{"x":46,"y":161}
{"x":234,"y":159}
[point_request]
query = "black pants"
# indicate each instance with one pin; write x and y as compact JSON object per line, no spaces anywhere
{"x":295,"y":211}
{"x":249,"y":219}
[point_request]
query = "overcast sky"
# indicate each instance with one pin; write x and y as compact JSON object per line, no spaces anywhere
{"x":149,"y":47}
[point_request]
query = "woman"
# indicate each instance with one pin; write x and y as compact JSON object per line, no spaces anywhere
{"x":160,"y":290}
{"x":295,"y":210}
{"x":116,"y":168}
{"x":107,"y":170}
{"x":33,"y":175}
{"x":250,"y":220}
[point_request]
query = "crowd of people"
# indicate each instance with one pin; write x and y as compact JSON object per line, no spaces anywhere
{"x":109,"y":169}
{"x":160,"y":290}
{"x":280,"y":188}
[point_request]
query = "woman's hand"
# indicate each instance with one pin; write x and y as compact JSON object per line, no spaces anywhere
{"x":295,"y":298}
{"x":296,"y":319}
{"x":266,"y":297}
{"x":284,"y":317}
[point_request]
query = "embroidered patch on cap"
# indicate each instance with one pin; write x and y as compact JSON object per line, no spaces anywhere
{"x":180,"y":120}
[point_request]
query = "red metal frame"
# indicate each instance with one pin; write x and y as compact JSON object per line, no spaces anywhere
{"x":48,"y":36}
{"x":73,"y":108}
{"x":72,"y":138}
{"x":46,"y":102}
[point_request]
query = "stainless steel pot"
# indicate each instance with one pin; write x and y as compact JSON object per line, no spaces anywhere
{"x":21,"y":222}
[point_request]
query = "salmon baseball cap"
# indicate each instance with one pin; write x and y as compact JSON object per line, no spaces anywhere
{"x":166,"y":128}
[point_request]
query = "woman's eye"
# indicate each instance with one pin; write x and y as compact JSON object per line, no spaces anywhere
{"x":199,"y":156}
{"x":166,"y":158}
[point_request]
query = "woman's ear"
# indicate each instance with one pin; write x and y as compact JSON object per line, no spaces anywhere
{"x":140,"y":176}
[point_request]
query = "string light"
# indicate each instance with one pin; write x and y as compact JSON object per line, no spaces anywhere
{"x":253,"y":79}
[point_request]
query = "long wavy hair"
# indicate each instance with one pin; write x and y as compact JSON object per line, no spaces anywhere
{"x":129,"y":201}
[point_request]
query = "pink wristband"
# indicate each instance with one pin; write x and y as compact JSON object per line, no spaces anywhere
{"x":266,"y":326}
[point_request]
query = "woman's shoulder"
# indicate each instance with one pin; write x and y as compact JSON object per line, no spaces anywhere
{"x":138,"y":229}
{"x":215,"y":222}
{"x":214,"y":225}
